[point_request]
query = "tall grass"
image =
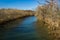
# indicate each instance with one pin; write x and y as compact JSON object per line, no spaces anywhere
{"x":10,"y":14}
{"x":49,"y":14}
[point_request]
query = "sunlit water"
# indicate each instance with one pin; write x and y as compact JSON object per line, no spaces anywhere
{"x":24,"y":29}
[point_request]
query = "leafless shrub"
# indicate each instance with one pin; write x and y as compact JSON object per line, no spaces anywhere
{"x":49,"y":13}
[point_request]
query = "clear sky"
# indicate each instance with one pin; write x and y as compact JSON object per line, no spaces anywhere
{"x":19,"y":4}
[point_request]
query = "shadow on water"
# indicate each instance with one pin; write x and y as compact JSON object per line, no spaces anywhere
{"x":46,"y":33}
{"x":24,"y":29}
{"x":21,"y":29}
{"x":42,"y":31}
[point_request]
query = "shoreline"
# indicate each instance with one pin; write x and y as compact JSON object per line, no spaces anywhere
{"x":7,"y":15}
{"x":9,"y":20}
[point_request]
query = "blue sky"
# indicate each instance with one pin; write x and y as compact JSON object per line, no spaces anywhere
{"x":19,"y":4}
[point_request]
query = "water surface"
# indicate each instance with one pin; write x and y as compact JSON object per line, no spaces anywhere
{"x":24,"y":29}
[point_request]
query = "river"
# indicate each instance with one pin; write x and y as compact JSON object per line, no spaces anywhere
{"x":24,"y":29}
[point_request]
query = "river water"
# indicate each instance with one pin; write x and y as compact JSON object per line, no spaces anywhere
{"x":24,"y":29}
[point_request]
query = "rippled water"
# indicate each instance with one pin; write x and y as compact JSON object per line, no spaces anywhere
{"x":24,"y":29}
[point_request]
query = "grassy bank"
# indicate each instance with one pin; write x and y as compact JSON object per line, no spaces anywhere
{"x":11,"y":14}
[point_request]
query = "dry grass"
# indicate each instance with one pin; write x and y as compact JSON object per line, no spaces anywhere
{"x":10,"y":14}
{"x":49,"y":13}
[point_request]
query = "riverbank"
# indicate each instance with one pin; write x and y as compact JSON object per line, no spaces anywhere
{"x":13,"y":14}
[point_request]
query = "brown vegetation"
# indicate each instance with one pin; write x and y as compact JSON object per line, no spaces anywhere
{"x":10,"y":14}
{"x":49,"y":14}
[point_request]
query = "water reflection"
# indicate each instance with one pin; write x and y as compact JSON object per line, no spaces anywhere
{"x":42,"y":30}
{"x":22,"y":29}
{"x":46,"y":33}
{"x":25,"y":29}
